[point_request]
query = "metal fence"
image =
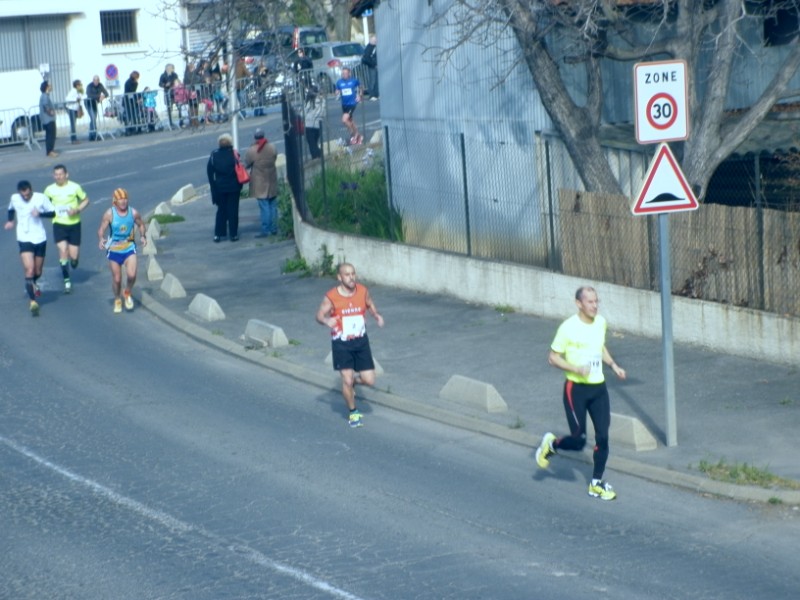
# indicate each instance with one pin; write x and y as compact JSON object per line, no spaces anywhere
{"x":524,"y":203}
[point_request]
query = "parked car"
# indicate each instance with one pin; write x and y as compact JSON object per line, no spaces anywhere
{"x":256,"y":52}
{"x":329,"y":58}
{"x":292,"y":37}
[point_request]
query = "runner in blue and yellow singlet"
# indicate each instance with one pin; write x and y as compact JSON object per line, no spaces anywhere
{"x":121,"y":221}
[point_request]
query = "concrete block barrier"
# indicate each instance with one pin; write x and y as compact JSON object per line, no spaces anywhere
{"x":172,"y":287}
{"x":186,"y":194}
{"x":378,"y":368}
{"x":280,"y":165}
{"x":150,"y":248}
{"x":377,"y":138}
{"x":628,"y":432}
{"x":154,"y":271}
{"x":473,"y":393}
{"x":163,"y":209}
{"x":332,"y":147}
{"x":265,"y":334}
{"x":153,"y":230}
{"x":206,"y":308}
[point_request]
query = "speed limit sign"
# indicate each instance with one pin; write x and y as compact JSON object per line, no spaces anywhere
{"x":661,"y":101}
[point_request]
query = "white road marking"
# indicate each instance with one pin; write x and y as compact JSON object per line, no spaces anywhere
{"x":116,"y":176}
{"x":181,"y":162}
{"x":162,"y":518}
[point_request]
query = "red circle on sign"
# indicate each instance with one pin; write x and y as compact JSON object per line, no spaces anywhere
{"x":673,"y":105}
{"x":112,"y":72}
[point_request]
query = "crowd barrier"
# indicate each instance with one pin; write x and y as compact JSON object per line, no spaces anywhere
{"x":147,"y":111}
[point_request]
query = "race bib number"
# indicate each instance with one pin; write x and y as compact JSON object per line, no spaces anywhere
{"x":595,"y":366}
{"x":347,"y":92}
{"x":62,"y":211}
{"x":353,"y":326}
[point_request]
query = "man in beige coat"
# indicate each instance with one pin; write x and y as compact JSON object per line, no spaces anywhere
{"x":260,"y":159}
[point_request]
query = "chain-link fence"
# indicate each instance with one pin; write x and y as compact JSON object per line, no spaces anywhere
{"x":523,"y":202}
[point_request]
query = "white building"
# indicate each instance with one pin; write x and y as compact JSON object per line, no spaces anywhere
{"x":76,"y":39}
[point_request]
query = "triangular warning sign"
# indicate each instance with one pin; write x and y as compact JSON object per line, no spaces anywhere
{"x":665,"y":188}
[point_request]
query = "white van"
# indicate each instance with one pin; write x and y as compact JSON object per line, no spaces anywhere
{"x":19,"y":99}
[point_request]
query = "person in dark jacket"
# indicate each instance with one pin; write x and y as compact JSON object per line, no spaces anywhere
{"x":167,"y":82}
{"x":225,"y":188}
{"x":95,"y":94}
{"x":370,"y":60}
{"x":133,"y":101}
{"x":47,"y":117}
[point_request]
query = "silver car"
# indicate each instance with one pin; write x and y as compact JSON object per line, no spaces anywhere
{"x":328,"y":60}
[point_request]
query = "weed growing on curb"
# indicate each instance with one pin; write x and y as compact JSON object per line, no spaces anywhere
{"x":744,"y":474}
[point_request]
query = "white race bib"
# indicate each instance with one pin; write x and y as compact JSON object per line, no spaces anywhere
{"x":353,"y":326}
{"x":595,"y":366}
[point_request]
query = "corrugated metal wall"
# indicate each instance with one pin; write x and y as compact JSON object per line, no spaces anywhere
{"x":27,"y":42}
{"x":498,"y":185}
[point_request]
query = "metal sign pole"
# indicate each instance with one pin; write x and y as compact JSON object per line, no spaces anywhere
{"x":666,"y":329}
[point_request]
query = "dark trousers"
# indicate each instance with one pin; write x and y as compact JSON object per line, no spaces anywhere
{"x":49,"y":137}
{"x":91,"y":110}
{"x":372,"y":81}
{"x":227,"y":221}
{"x":580,"y":398}
{"x":312,"y":137}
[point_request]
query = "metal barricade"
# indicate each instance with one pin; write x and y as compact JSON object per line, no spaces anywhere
{"x":16,"y":127}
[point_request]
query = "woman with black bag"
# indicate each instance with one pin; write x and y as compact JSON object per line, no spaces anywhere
{"x":225,"y":188}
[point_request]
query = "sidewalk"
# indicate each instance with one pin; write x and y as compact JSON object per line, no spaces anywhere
{"x":728,"y":408}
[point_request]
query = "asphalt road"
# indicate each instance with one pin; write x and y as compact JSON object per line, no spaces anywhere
{"x":137,"y":463}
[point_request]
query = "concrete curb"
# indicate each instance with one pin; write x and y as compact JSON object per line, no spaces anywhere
{"x":330,"y":381}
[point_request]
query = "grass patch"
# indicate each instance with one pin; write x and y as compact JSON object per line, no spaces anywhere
{"x":352,"y":198}
{"x":517,"y":424}
{"x":296,"y":264}
{"x":505,"y":309}
{"x":744,"y":474}
{"x":164,"y":219}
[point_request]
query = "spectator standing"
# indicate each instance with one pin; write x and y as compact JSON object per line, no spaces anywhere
{"x":95,"y":94}
{"x":225,"y":188}
{"x":303,"y":68}
{"x":314,"y":113}
{"x":132,"y":113}
{"x":47,"y":117}
{"x":370,"y":60}
{"x":260,"y":159}
{"x":192,"y":80}
{"x":348,"y":88}
{"x":149,"y":103}
{"x":344,"y":310}
{"x":74,"y":105}
{"x":242,"y":76}
{"x":167,"y":82}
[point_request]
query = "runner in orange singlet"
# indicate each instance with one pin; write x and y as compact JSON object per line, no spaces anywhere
{"x":344,"y":309}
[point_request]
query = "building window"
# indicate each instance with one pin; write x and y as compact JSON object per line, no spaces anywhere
{"x":118,"y":27}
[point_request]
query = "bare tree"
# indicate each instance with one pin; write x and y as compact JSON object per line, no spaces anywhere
{"x":559,"y":35}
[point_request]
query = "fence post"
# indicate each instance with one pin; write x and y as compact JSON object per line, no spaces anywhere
{"x":388,"y":161}
{"x":466,"y":193}
{"x":322,"y":169}
{"x":552,"y":261}
{"x":759,"y":231}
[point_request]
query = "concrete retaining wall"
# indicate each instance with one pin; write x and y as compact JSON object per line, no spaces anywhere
{"x":720,"y":327}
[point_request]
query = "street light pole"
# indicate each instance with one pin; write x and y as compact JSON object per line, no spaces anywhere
{"x":234,"y":99}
